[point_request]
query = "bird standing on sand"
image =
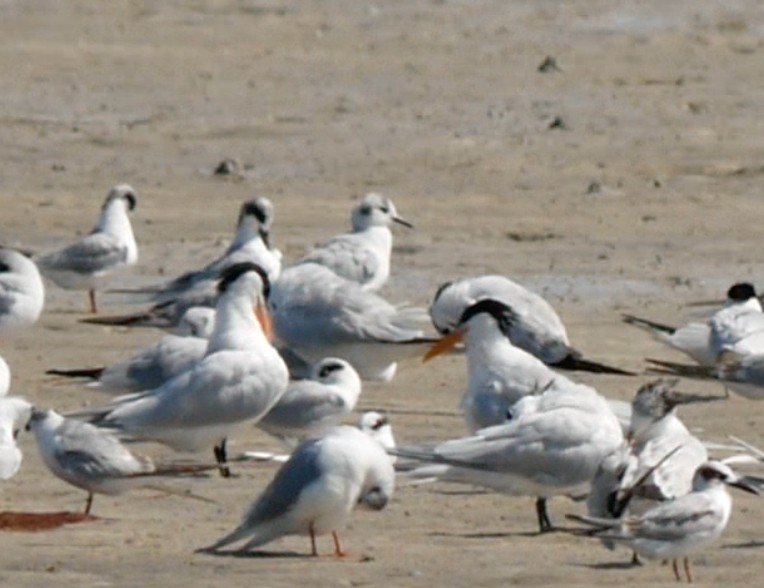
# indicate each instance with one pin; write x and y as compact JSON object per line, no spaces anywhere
{"x":108,"y":247}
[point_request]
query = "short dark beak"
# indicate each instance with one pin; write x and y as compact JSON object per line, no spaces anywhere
{"x":403,"y":221}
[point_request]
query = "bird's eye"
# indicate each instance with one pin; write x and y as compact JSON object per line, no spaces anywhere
{"x":366,"y":209}
{"x":384,"y":209}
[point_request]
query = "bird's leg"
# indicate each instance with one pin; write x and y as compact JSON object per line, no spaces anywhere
{"x":635,"y":559}
{"x":687,"y":570}
{"x":338,"y":551}
{"x":88,"y":503}
{"x":91,"y":296}
{"x":676,"y":570}
{"x":312,"y":533}
{"x":545,"y":523}
{"x":221,"y":459}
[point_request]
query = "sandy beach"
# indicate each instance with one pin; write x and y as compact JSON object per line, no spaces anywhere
{"x":625,"y":179}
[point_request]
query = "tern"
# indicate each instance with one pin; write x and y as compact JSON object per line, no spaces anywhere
{"x":680,"y":527}
{"x":239,"y":379}
{"x":317,"y":314}
{"x":154,"y":365}
{"x":535,"y":326}
{"x":551,"y":445}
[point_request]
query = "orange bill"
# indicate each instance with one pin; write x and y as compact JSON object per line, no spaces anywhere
{"x":264,"y":318}
{"x":444,"y":344}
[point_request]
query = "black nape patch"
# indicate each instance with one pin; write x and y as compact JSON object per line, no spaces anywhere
{"x":232,"y":273}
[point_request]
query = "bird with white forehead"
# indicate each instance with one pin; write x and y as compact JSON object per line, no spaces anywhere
{"x":363,"y":255}
{"x":22,"y":294}
{"x":315,"y":491}
{"x":110,"y":246}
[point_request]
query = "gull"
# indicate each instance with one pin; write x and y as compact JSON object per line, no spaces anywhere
{"x":314,"y":492}
{"x":704,"y":341}
{"x":362,"y":256}
{"x":311,"y":406}
{"x":680,"y":527}
{"x":377,"y":426}
{"x":108,"y":247}
{"x":535,"y":326}
{"x":14,"y":415}
{"x":22,"y":293}
{"x":551,"y":445}
{"x":251,"y":243}
{"x":239,"y":379}
{"x":91,"y":458}
{"x":154,"y":365}
{"x":5,"y":377}
{"x":317,"y":314}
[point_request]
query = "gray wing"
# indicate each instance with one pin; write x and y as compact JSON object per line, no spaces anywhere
{"x":689,"y":515}
{"x":154,"y":365}
{"x":84,"y":450}
{"x":303,"y":404}
{"x":344,"y":257}
{"x":216,"y":391}
{"x":301,"y":470}
{"x":96,"y":252}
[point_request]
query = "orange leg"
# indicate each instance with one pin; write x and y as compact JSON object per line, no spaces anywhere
{"x":687,"y":570}
{"x":93,"y":307}
{"x":676,"y":570}
{"x":338,"y":551}
{"x":313,"y":549}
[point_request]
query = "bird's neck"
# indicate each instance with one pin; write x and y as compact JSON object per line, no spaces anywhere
{"x":236,"y":326}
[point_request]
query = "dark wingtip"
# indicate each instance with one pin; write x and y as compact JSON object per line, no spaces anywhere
{"x":92,"y":373}
{"x":125,"y":320}
{"x":575,"y":363}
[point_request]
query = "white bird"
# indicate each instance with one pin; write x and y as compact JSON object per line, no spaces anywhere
{"x":655,"y":432}
{"x":311,"y":406}
{"x":552,"y":445}
{"x":377,"y":426}
{"x":316,"y":313}
{"x":704,"y":341}
{"x":108,"y":247}
{"x":22,"y":294}
{"x":499,"y":373}
{"x":362,"y":256}
{"x":14,"y":415}
{"x":534,"y":327}
{"x":315,"y":491}
{"x":5,"y":377}
{"x":152,"y":366}
{"x":239,"y":379}
{"x":680,"y":527}
{"x":93,"y":459}
{"x":251,"y":243}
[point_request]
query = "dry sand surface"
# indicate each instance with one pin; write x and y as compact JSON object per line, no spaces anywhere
{"x":628,"y":180}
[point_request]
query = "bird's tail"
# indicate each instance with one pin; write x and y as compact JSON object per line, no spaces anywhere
{"x":681,"y":369}
{"x":648,"y":325}
{"x":574,"y":362}
{"x":92,"y":373}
